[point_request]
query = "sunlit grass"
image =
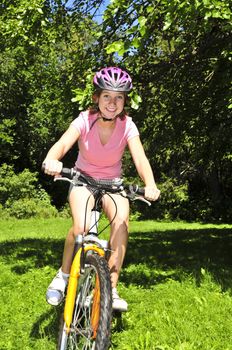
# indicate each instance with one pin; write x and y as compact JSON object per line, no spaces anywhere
{"x":176,"y":279}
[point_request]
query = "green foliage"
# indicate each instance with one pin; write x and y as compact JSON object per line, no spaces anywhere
{"x":84,"y":95}
{"x":179,"y":55}
{"x":173,"y":200}
{"x":21,"y":196}
{"x":43,"y":54}
{"x":25,"y":18}
{"x":135,"y":99}
{"x":28,"y":208}
{"x":6,"y":135}
{"x":172,"y":205}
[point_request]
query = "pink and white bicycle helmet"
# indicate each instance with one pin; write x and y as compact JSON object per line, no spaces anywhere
{"x":114,"y":79}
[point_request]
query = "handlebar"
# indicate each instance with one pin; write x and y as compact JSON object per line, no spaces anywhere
{"x":132,"y":191}
{"x":70,"y":173}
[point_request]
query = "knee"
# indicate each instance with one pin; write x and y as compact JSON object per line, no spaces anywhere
{"x":75,"y":230}
{"x":120,"y":223}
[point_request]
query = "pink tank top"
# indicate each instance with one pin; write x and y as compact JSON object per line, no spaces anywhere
{"x":95,"y":159}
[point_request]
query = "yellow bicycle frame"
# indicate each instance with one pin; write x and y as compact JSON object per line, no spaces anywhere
{"x":73,"y":283}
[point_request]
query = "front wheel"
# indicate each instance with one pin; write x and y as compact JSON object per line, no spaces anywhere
{"x":90,"y":328}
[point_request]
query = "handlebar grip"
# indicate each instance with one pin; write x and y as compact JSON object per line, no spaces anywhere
{"x":136,"y":189}
{"x":67,"y":172}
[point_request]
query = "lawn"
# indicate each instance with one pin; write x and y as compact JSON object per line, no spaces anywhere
{"x":177,"y":279}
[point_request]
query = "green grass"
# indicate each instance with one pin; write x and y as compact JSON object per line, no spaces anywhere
{"x":177,"y":279}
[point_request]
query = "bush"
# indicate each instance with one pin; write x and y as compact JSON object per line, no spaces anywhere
{"x":171,"y":205}
{"x":28,"y":208}
{"x":65,"y":212}
{"x":15,"y":186}
{"x":174,"y":198}
{"x":21,"y":196}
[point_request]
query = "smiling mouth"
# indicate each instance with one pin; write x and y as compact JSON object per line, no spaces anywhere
{"x":111,"y":110}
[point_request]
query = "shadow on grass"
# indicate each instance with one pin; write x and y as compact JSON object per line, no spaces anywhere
{"x":27,"y":254}
{"x":152,"y":257}
{"x":174,"y":254}
{"x":52,"y":321}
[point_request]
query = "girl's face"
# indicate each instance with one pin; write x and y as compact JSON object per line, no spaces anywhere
{"x":111,"y":103}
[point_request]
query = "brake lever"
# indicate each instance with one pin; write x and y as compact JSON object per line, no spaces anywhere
{"x":63,"y":179}
{"x":142,"y":199}
{"x":133,"y":197}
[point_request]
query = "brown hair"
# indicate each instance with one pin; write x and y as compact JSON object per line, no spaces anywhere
{"x":94,"y":109}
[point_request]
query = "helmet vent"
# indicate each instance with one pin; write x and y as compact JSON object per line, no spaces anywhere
{"x":113,"y":78}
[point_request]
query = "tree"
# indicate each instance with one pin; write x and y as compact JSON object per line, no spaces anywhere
{"x":179,"y":55}
{"x":44,"y":52}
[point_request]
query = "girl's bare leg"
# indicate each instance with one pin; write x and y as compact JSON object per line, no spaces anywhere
{"x":77,"y":200}
{"x":119,"y":233}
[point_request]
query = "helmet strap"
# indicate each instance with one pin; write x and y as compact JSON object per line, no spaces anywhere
{"x":107,"y":119}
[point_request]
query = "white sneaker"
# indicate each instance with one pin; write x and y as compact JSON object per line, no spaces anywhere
{"x":55,"y":291}
{"x":119,"y":304}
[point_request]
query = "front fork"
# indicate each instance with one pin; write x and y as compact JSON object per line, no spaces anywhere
{"x":73,"y":281}
{"x":78,"y":267}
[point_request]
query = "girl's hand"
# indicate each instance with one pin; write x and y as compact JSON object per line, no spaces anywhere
{"x":152,"y":193}
{"x":52,"y":167}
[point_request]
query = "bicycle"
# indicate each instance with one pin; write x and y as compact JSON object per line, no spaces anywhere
{"x":86,"y":321}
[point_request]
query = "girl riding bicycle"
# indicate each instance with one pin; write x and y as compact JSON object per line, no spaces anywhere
{"x":102,"y":134}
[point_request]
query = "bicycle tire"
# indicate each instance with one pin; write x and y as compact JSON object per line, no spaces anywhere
{"x":90,"y":327}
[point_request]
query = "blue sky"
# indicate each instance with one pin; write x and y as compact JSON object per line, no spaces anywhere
{"x":99,"y":11}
